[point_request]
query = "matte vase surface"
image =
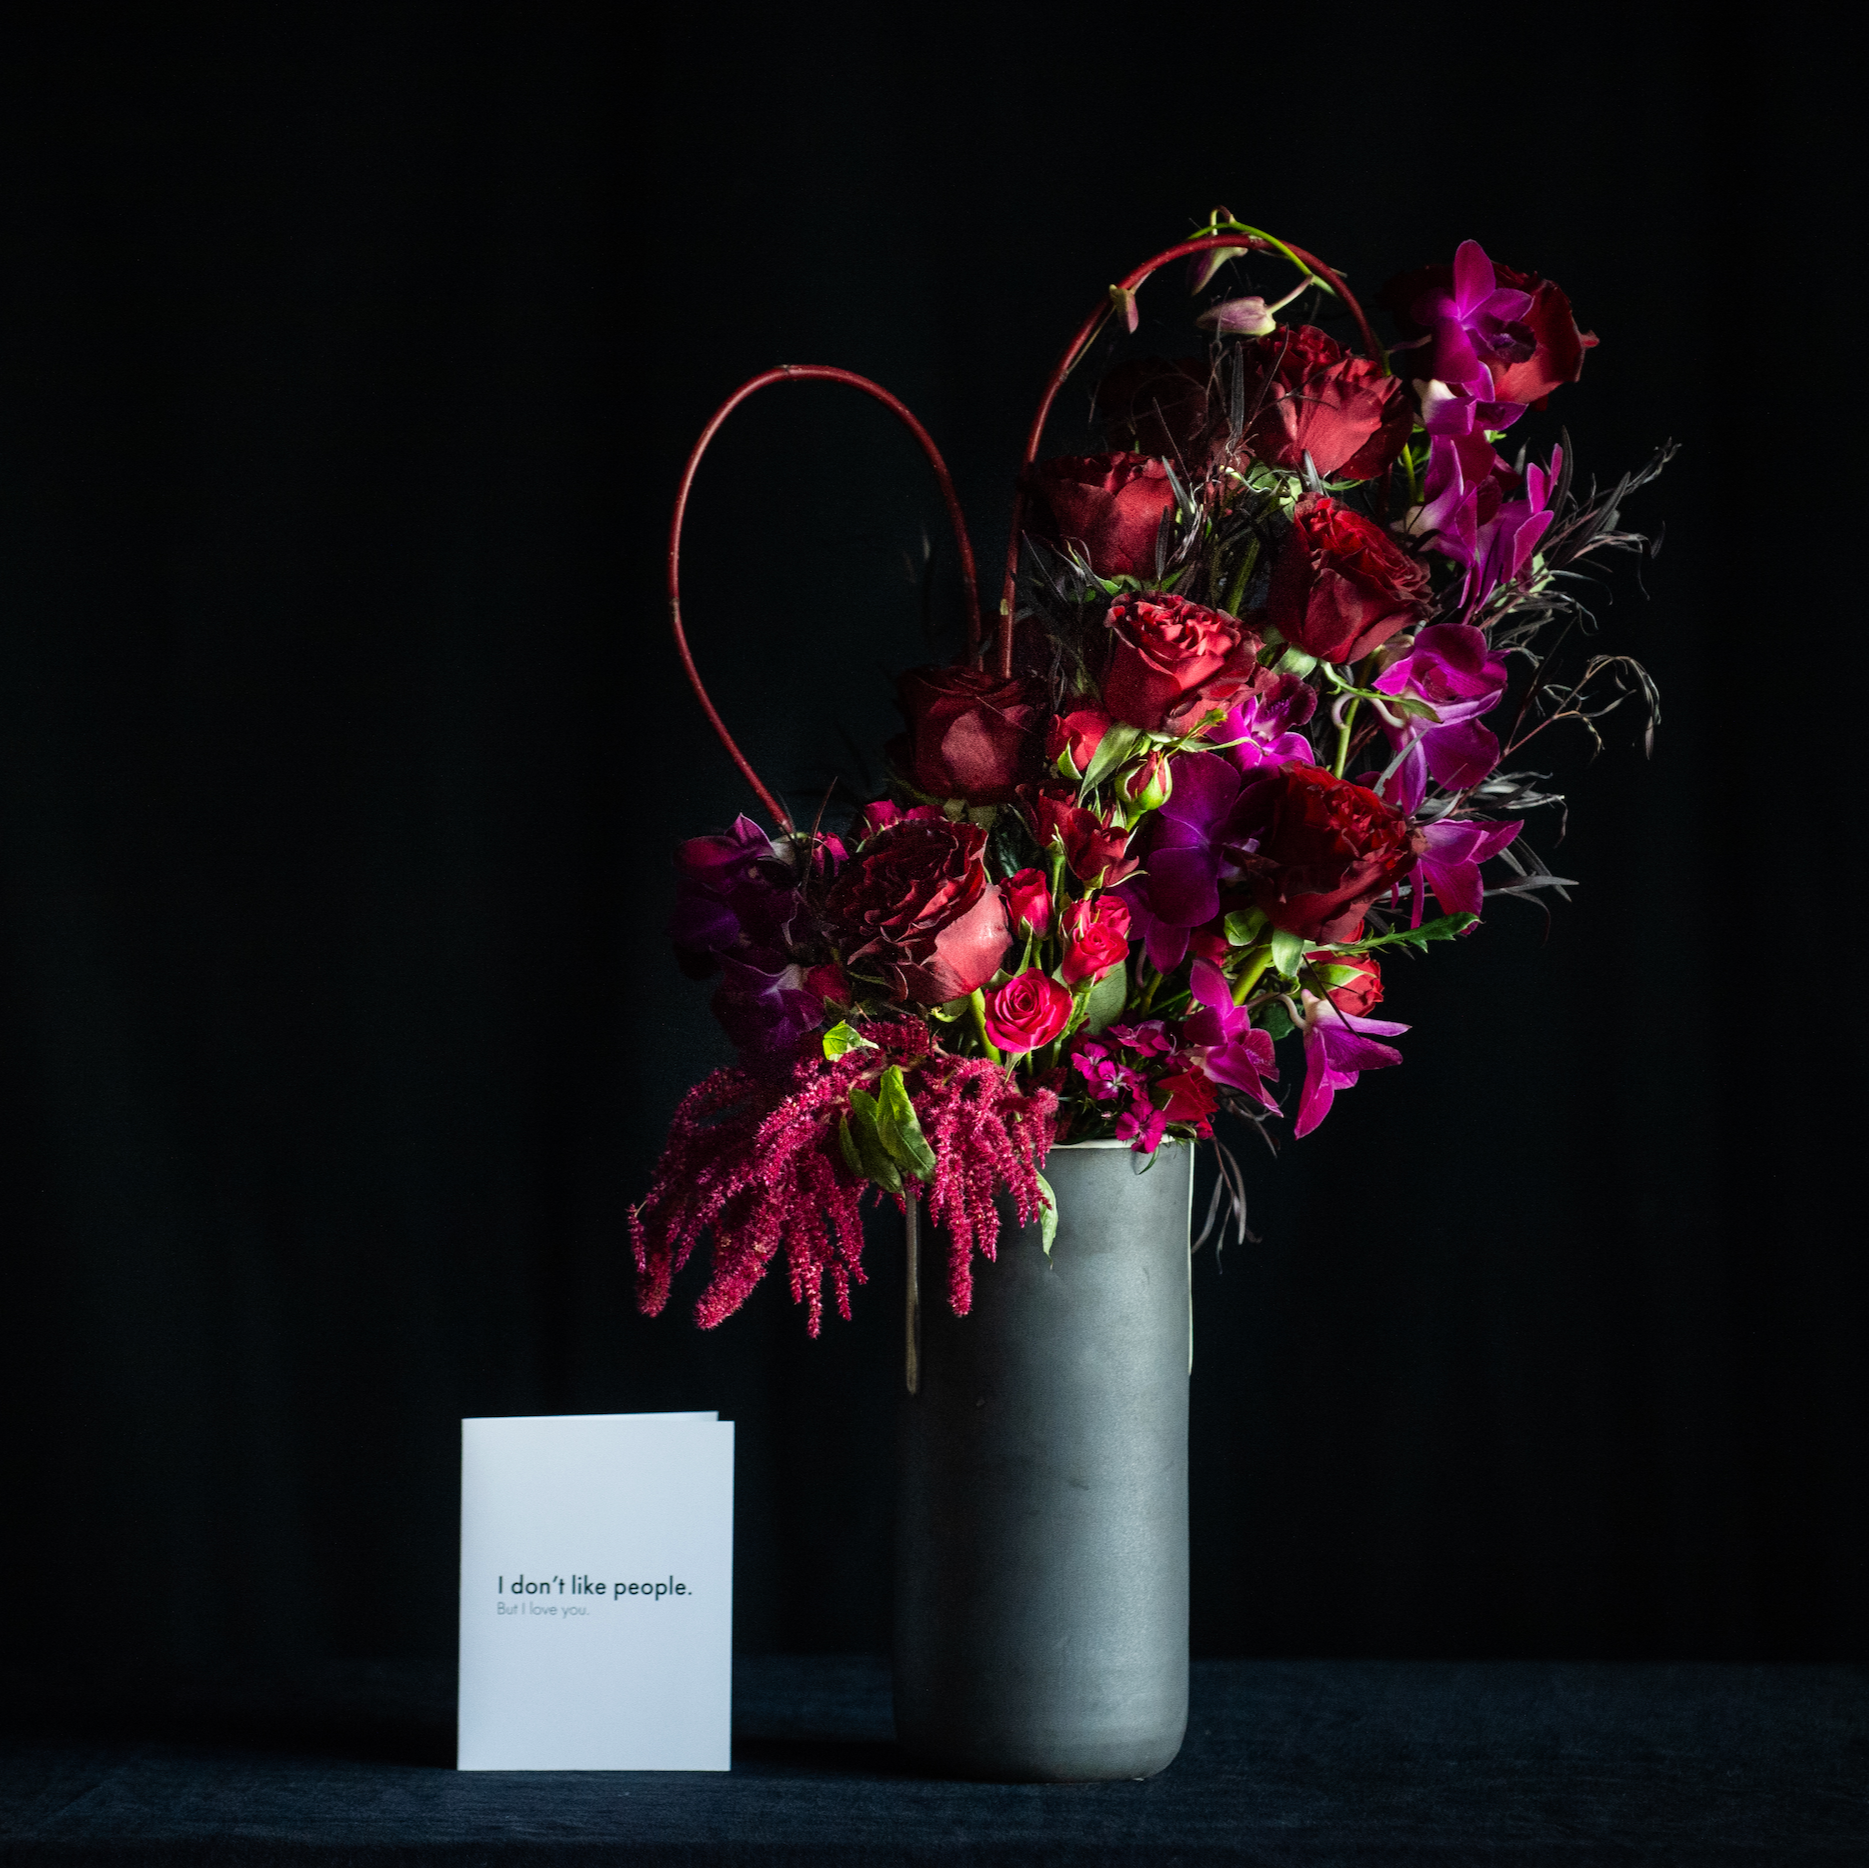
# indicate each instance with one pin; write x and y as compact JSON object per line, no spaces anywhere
{"x":1041,"y":1616}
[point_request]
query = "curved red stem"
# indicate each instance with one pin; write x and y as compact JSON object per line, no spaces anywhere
{"x":803,"y":372}
{"x":1002,"y":632}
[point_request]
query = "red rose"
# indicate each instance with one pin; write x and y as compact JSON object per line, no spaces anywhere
{"x":1354,"y":996}
{"x":1306,"y":394}
{"x":1187,"y":1097}
{"x":1341,"y":586}
{"x":970,"y":732}
{"x":1093,"y":846}
{"x":1165,"y":651}
{"x":1080,"y":734}
{"x":1029,"y":1010}
{"x":1558,"y":345}
{"x":1158,"y":405}
{"x":1319,"y":850}
{"x":1096,"y":938}
{"x":915,"y":908}
{"x":1111,"y":506}
{"x":1028,"y":902}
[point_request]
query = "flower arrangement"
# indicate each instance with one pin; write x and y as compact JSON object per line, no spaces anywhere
{"x":1248,"y":725}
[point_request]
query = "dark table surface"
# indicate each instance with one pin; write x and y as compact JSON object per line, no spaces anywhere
{"x":1286,"y":1762}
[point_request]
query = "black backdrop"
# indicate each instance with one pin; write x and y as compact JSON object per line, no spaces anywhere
{"x":349,"y":360}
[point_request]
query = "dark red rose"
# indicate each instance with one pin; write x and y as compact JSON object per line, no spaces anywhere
{"x":1341,"y":586}
{"x":1306,"y":394}
{"x":1093,"y":846}
{"x":1026,"y":1012}
{"x":1318,"y":850}
{"x":1079,"y":733}
{"x":1111,"y":506}
{"x":1158,"y":405}
{"x":1096,"y":938}
{"x":1028,"y":902}
{"x":1558,"y":345}
{"x":1165,"y":651}
{"x":915,"y":909}
{"x":1353,"y":996}
{"x":970,"y":734}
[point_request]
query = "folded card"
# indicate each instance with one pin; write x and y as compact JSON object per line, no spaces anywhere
{"x":596,"y":1593}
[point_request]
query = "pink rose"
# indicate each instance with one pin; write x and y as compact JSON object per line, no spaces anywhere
{"x":1028,"y":902}
{"x":1096,"y":938}
{"x":1028,"y":1011}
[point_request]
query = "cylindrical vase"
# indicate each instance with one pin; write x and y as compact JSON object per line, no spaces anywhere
{"x":1041,"y":1611}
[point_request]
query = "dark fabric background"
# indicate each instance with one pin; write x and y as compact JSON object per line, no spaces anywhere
{"x":347,"y":363}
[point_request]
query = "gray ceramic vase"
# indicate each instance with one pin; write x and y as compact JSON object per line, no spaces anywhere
{"x":1042,"y":1490}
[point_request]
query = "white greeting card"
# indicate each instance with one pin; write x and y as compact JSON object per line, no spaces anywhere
{"x":596,"y":1593}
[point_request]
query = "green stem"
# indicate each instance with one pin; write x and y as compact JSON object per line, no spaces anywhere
{"x":1256,"y":963}
{"x":1343,"y":737}
{"x":977,"y":1000}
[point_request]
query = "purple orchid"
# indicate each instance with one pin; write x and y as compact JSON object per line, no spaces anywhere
{"x":1506,"y":542}
{"x":1260,"y":730}
{"x":1236,"y":1054}
{"x":1450,"y":865}
{"x":1180,"y":888}
{"x":1454,"y":671}
{"x":1473,"y":321}
{"x":735,"y":891}
{"x":1336,"y":1048}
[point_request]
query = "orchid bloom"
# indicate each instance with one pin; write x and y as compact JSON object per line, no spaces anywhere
{"x":1182,"y":886}
{"x":1336,"y":1048}
{"x":1235,"y":1053}
{"x":1451,"y":669}
{"x":1450,"y":865}
{"x":1474,"y":321}
{"x":1506,"y":542}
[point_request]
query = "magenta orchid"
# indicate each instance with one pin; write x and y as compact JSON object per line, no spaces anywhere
{"x":1451,"y":669}
{"x":1475,"y":321}
{"x":1236,"y":1053}
{"x":1450,"y":865}
{"x":1337,"y":1048}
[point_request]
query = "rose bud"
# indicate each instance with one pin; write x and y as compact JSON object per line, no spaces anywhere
{"x":1093,"y":846}
{"x":917,"y":910}
{"x":1028,"y":1011}
{"x":1311,"y":396}
{"x":1340,"y":586}
{"x":1318,"y":851}
{"x":970,"y":733}
{"x":1354,"y":980}
{"x":1163,"y":650}
{"x":1075,"y":737}
{"x":1028,"y":902}
{"x":1148,"y":786}
{"x":1096,"y":938}
{"x":1110,"y":506}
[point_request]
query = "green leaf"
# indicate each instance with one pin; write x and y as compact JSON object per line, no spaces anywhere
{"x":1296,"y":662}
{"x":1117,"y":743}
{"x":853,"y":1160}
{"x":1047,"y":1214}
{"x":1443,"y":927}
{"x":900,"y":1127}
{"x":1243,"y":928}
{"x":1276,"y":1021}
{"x":842,"y":1038}
{"x":864,"y":1122}
{"x":1287,"y":952}
{"x":1107,"y":999}
{"x":1335,"y":976}
{"x":1407,"y":704}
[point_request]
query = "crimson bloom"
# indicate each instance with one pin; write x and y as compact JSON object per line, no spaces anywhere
{"x":1094,"y":847}
{"x":1341,"y":587}
{"x":1318,"y":850}
{"x":1164,"y":651}
{"x":1028,"y":1011}
{"x":1028,"y":902}
{"x":1111,"y":506}
{"x":915,"y":908}
{"x":970,"y":732}
{"x":1306,"y":394}
{"x":1096,"y":938}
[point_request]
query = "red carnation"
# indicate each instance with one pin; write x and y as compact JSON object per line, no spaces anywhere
{"x":1306,"y":394}
{"x":1111,"y":506}
{"x":915,"y":909}
{"x":1319,"y":850}
{"x":970,"y":732}
{"x":1341,"y":586}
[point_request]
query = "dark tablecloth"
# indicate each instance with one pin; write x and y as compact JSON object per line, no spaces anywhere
{"x":1286,"y":1762}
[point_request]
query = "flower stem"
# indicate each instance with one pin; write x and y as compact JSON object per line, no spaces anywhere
{"x":1256,"y":963}
{"x":1343,"y":737}
{"x":977,"y":1000}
